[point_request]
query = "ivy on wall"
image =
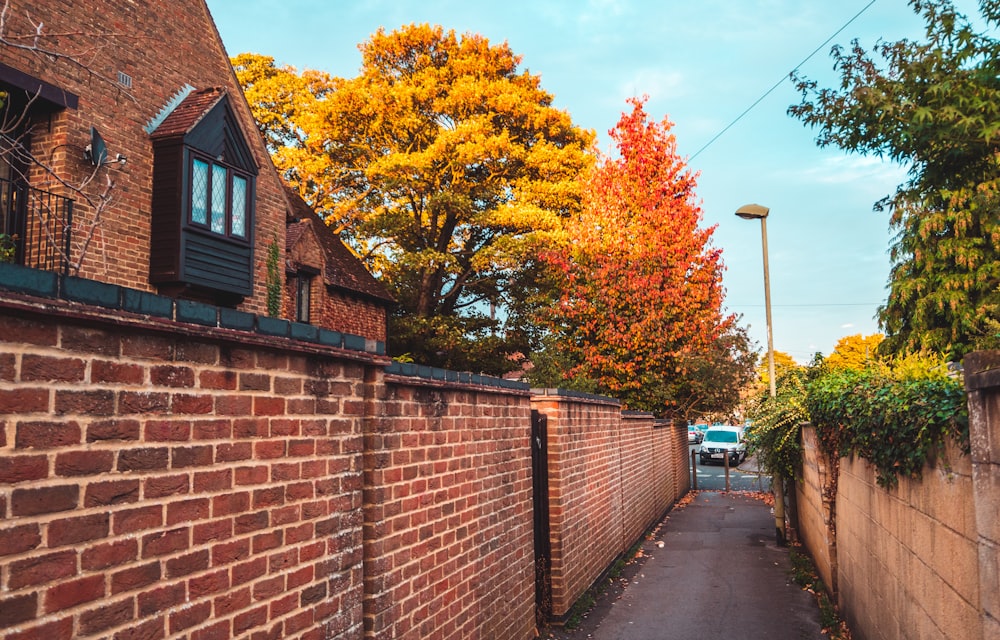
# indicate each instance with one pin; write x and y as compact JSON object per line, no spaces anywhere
{"x":896,"y":417}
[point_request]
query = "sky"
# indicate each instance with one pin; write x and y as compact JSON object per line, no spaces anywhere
{"x":702,"y":64}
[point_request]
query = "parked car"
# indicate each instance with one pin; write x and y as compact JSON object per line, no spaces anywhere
{"x":722,"y":441}
{"x":695,"y":435}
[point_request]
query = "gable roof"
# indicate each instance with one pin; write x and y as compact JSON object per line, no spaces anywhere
{"x":342,"y":270}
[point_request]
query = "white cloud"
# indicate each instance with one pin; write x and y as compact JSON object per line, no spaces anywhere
{"x":843,"y":169}
{"x":658,"y":84}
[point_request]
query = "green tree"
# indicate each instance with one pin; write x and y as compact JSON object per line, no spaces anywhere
{"x":934,"y":106}
{"x":447,"y":168}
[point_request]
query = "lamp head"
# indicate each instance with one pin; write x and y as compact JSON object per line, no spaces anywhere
{"x":752,"y":212}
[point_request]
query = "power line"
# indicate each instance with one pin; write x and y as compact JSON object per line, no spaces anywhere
{"x":778,"y":83}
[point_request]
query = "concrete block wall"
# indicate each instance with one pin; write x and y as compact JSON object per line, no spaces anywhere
{"x":920,"y":560}
{"x":815,"y":509}
{"x":982,"y":382}
{"x":448,"y":512}
{"x":907,"y":557}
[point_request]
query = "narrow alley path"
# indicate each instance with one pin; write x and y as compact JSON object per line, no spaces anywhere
{"x":718,"y":574}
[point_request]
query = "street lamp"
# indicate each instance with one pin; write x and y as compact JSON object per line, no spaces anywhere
{"x":757,"y":212}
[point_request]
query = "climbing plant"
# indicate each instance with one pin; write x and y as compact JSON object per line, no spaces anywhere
{"x":273,"y":279}
{"x":896,"y":416}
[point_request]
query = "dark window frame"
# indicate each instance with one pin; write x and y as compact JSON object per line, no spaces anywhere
{"x":303,"y":296}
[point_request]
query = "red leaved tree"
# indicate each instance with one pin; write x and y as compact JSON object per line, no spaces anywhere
{"x":642,"y":292}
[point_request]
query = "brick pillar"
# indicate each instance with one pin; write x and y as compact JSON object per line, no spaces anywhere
{"x":982,"y":382}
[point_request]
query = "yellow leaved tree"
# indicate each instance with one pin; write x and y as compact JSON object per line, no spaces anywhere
{"x":855,"y":352}
{"x":446,"y":167}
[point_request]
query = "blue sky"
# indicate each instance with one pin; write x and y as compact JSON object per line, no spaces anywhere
{"x":701,"y":64}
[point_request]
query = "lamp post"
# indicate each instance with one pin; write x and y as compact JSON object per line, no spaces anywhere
{"x":758,"y":212}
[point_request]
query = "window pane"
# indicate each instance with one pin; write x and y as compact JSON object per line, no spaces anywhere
{"x":218,"y":199}
{"x":239,"y":206}
{"x":199,"y":192}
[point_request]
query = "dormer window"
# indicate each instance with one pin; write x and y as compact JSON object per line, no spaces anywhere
{"x":203,"y":202}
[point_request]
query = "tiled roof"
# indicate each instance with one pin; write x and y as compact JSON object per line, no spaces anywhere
{"x":343,"y":269}
{"x":187,"y":114}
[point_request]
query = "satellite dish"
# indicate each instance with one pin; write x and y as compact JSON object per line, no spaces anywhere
{"x":97,"y":150}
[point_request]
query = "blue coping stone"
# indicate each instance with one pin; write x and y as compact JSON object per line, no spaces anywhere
{"x":477,"y":378}
{"x":14,"y":277}
{"x":331,"y":338}
{"x":438,"y":374}
{"x":409,"y":369}
{"x":197,"y":313}
{"x":465,"y":377}
{"x":395,"y":368}
{"x":451,"y":376}
{"x":354,"y":343}
{"x":147,"y":303}
{"x":380,"y":347}
{"x":305,"y":332}
{"x":272,"y":326}
{"x":91,"y":292}
{"x":234,"y":319}
{"x":424,"y":371}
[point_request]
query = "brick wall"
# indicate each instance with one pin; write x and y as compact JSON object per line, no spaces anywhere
{"x":160,"y":484}
{"x":164,"y":477}
{"x":448,"y":513}
{"x":610,"y":479}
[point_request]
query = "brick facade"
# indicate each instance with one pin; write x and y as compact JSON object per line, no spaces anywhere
{"x":128,"y":63}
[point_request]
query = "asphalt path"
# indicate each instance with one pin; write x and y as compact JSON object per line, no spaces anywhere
{"x":710,"y":569}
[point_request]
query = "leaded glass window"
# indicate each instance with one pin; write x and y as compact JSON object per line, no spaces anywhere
{"x":220,"y":198}
{"x":239,"y":206}
{"x":199,"y":192}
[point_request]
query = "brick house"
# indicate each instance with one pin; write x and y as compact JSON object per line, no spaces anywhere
{"x":137,"y":163}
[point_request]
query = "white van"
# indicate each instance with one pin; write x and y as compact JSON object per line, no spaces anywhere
{"x":721,"y":441}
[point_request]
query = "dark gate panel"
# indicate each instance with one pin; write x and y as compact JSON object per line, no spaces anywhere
{"x":543,"y":542}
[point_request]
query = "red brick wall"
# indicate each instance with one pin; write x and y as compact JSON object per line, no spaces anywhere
{"x":448,"y":513}
{"x":611,"y":477}
{"x":353,"y":315}
{"x":158,"y":484}
{"x":160,"y":479}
